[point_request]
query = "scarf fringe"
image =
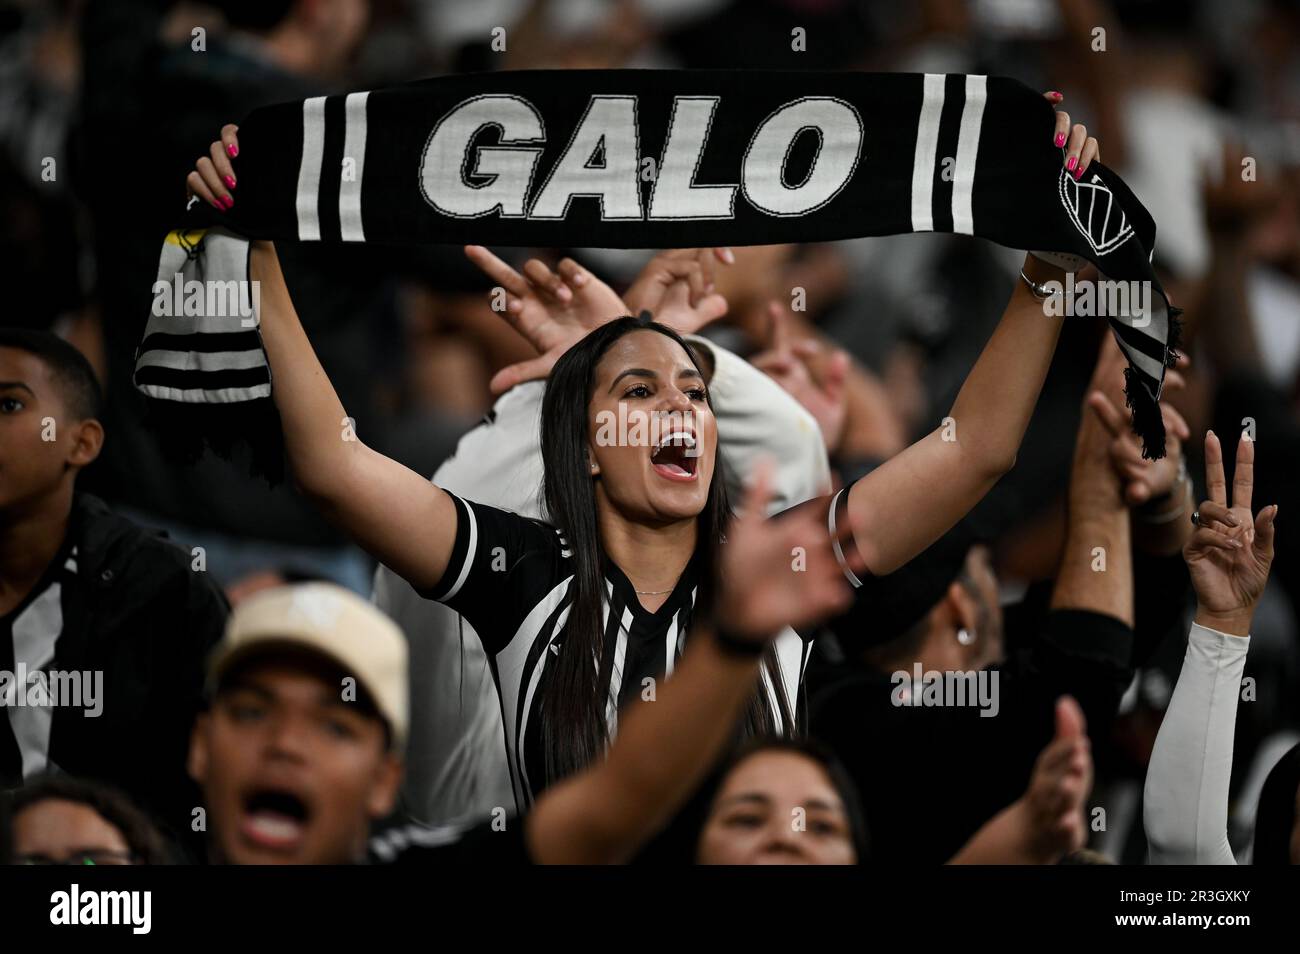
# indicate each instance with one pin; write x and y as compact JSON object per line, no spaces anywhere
{"x":1145,"y":415}
{"x":1175,"y":341}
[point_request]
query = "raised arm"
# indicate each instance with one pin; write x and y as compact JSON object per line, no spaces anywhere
{"x":937,"y":480}
{"x":390,"y":510}
{"x":1228,"y":557}
{"x":665,"y":747}
{"x":1098,"y":517}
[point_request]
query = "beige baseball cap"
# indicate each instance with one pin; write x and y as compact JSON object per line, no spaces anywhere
{"x":337,"y":624}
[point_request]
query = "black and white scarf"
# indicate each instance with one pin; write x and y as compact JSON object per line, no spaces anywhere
{"x":652,"y":159}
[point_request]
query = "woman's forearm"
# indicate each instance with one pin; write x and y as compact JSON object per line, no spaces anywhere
{"x":1005,"y":839}
{"x":993,"y":408}
{"x":911,"y":500}
{"x":664,"y":748}
{"x":1096,"y":572}
{"x":311,"y":414}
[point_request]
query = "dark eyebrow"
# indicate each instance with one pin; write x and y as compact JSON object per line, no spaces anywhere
{"x":823,"y":805}
{"x":633,"y":372}
{"x":752,"y":797}
{"x":647,"y":373}
{"x":325,"y":699}
{"x":10,"y":385}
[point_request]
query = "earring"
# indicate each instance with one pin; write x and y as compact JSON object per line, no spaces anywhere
{"x":965,"y":637}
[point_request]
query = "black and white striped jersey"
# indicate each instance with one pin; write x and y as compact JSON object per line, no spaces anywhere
{"x":28,"y":635}
{"x":509,"y":576}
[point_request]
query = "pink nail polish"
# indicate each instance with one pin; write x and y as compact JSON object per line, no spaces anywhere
{"x":1078,"y":174}
{"x":1055,"y":94}
{"x":1060,"y":140}
{"x":1071,"y":163}
{"x":227,"y":202}
{"x":232,"y":150}
{"x":229,"y":181}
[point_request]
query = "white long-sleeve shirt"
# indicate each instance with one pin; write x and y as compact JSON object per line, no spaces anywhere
{"x":456,"y":756}
{"x":1186,"y":812}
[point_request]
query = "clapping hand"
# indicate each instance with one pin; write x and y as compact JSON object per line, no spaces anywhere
{"x":1061,"y":781}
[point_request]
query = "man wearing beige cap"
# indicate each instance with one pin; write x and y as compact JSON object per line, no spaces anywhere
{"x":300,"y":749}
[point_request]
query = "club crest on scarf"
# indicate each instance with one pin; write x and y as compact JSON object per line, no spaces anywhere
{"x":1095,"y":212}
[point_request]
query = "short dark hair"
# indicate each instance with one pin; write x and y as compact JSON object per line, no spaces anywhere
{"x":68,"y":367}
{"x":138,"y":831}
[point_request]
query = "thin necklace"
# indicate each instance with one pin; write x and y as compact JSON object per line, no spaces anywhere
{"x":652,"y":592}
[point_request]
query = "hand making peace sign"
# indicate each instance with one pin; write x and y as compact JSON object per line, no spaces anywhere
{"x":1231,"y":551}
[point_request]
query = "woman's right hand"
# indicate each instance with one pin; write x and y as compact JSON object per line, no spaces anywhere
{"x":213,"y":179}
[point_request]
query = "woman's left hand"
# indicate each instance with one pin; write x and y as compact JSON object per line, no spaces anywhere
{"x":1081,"y":150}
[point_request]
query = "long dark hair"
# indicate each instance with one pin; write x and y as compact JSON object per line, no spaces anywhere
{"x":573,"y":713}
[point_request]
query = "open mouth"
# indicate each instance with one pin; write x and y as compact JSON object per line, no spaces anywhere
{"x":274,"y":819}
{"x":676,"y":456}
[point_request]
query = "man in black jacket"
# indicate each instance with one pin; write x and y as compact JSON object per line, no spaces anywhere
{"x":104,"y":626}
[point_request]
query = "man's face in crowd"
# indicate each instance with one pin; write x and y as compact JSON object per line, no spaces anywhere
{"x":653,"y":377}
{"x":56,"y":831}
{"x":291,"y":773}
{"x":40,"y":441}
{"x":777,"y":808}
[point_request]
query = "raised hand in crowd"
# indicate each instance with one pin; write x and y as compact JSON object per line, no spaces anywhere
{"x":1048,"y":821}
{"x":678,"y":287}
{"x":790,"y":364}
{"x":554,"y":308}
{"x":1189,"y":776}
{"x":1158,"y":492}
{"x":550,"y":308}
{"x":1230,"y":552}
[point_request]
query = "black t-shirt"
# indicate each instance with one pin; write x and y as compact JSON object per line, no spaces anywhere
{"x":510,"y":577}
{"x":930,"y":776}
